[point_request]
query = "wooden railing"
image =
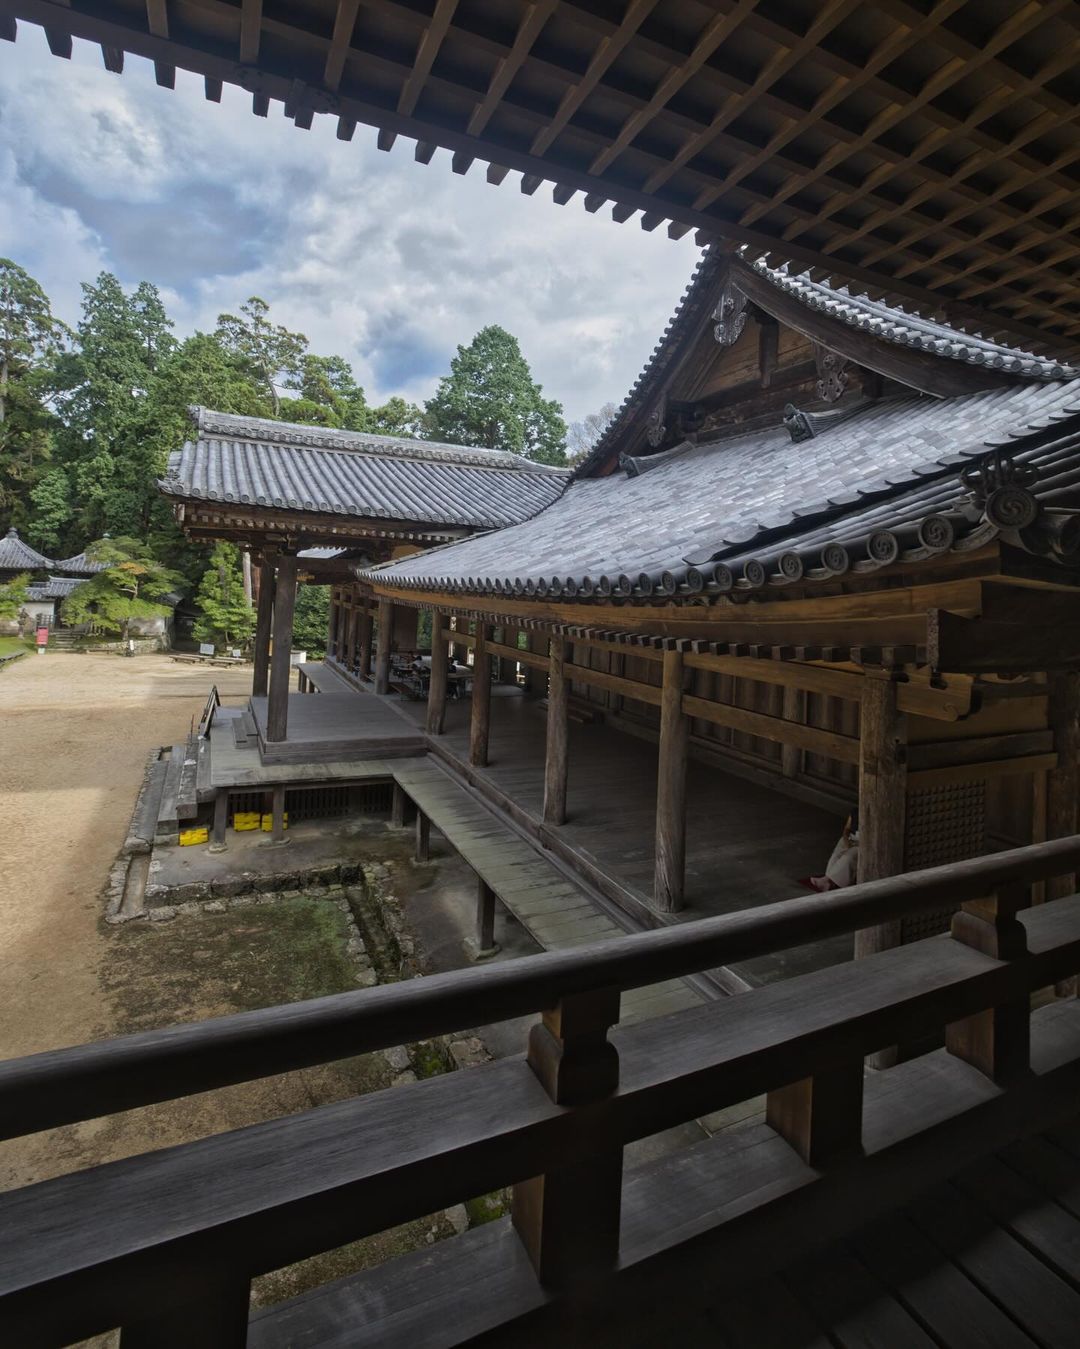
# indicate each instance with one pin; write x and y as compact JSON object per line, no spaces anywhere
{"x":213,"y":702}
{"x":165,"y":1245}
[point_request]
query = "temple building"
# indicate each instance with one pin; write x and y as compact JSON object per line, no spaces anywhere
{"x":51,"y":580}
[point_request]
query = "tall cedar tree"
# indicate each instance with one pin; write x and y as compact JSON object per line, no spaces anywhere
{"x":311,"y":621}
{"x":30,"y":341}
{"x":490,"y":399}
{"x":227,"y":618}
{"x":133,"y":586}
{"x":271,"y":354}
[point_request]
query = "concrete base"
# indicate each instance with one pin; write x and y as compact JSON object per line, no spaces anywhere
{"x":485,"y":954}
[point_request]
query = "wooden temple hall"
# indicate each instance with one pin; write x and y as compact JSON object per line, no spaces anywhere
{"x":824,"y":563}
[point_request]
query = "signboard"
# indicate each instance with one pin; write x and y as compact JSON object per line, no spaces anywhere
{"x":43,"y":636}
{"x":207,"y":649}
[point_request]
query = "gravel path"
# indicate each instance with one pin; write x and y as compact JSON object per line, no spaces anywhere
{"x":75,"y":731}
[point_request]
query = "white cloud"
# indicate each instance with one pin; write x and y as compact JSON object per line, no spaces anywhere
{"x":387,"y":262}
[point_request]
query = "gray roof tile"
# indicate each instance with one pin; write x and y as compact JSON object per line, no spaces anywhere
{"x":15,"y":555}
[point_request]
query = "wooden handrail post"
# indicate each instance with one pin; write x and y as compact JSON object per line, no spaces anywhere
{"x":436,"y":707}
{"x":820,"y":1116}
{"x":998,"y":1040}
{"x":558,"y":734}
{"x":480,"y":721}
{"x":670,"y":876}
{"x":568,"y":1219}
{"x":385,"y":642}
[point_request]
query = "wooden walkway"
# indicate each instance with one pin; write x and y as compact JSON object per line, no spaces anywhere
{"x":555,"y":912}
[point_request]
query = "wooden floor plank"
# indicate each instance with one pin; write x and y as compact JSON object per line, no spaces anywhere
{"x":859,"y":1310}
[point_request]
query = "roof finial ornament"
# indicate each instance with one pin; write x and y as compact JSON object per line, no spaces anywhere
{"x":1000,"y":490}
{"x":729,"y":314}
{"x":833,"y":373}
{"x":656,"y":427}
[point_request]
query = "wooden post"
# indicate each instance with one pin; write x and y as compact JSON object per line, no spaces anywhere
{"x":485,"y":920}
{"x":263,"y":619}
{"x":366,"y":629}
{"x":436,"y":704}
{"x":1063,"y":782}
{"x":671,"y":790}
{"x":278,"y":815}
{"x":221,"y":821}
{"x":277,"y":715}
{"x":793,"y":709}
{"x":480,"y":723}
{"x":821,"y":1116}
{"x":386,"y":637}
{"x":423,"y":837}
{"x":397,"y":808}
{"x":558,"y":731}
{"x":997,"y":1041}
{"x":882,"y":801}
{"x":568,"y":1219}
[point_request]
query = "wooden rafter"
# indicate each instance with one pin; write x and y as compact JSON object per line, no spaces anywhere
{"x":340,"y":41}
{"x":426,"y":52}
{"x":532,"y":23}
{"x":250,"y":30}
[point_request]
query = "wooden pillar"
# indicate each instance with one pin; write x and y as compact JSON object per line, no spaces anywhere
{"x":221,"y":821}
{"x":423,"y":837}
{"x":1063,"y":782}
{"x":671,"y":790}
{"x":334,"y":625}
{"x":277,"y":716}
{"x":793,"y":709}
{"x":436,"y":706}
{"x":278,"y":815}
{"x":397,"y":808}
{"x":485,"y":919}
{"x":882,"y":801}
{"x":386,"y":637}
{"x":480,"y":723}
{"x":568,"y":1219}
{"x":367,"y":628}
{"x":821,"y":1116}
{"x":263,"y":619}
{"x":556,"y":759}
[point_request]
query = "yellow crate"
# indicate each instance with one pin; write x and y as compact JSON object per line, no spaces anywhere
{"x":268,"y":822}
{"x":246,"y":819}
{"x":191,"y":836}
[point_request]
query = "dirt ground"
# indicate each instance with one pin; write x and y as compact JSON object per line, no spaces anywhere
{"x":75,"y":732}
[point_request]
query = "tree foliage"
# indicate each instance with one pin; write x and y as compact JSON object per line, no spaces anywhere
{"x":490,"y":399}
{"x":269,"y":352}
{"x":583,"y":435}
{"x":311,"y":618}
{"x":31,"y":339}
{"x":134,"y":586}
{"x":13,"y":596}
{"x":227,"y":618}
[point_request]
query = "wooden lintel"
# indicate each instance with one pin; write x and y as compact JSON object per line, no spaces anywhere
{"x":827,"y":743}
{"x":983,"y":646}
{"x":975,"y":772}
{"x":628,"y":688}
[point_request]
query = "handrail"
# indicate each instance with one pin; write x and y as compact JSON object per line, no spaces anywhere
{"x":64,"y":1086}
{"x":213,"y":702}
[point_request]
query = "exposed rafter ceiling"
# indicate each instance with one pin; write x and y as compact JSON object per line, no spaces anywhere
{"x":925,"y":147}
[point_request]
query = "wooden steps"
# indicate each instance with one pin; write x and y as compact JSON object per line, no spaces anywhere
{"x":556,"y":912}
{"x":245,"y":732}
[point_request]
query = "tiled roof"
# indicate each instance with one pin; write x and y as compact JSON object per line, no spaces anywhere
{"x":292,"y":467}
{"x":760,"y":496}
{"x":881,"y":318}
{"x":15,"y":555}
{"x":79,"y":565}
{"x":55,"y":588}
{"x":891,"y":322}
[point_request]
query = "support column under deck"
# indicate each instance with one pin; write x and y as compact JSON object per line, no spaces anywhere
{"x":367,"y":627}
{"x":277,"y":713}
{"x":670,"y":876}
{"x":436,"y":706}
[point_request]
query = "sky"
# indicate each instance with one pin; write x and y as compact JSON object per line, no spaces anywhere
{"x":374,"y":257}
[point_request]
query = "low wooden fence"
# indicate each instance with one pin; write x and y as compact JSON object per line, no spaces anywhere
{"x":165,"y":1245}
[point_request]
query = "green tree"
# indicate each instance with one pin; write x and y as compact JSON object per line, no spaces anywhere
{"x":490,"y":399}
{"x":396,"y":417}
{"x":51,"y":511}
{"x":13,"y":596}
{"x":270,"y":353}
{"x":329,"y":394}
{"x":227,"y":619}
{"x":133,"y":586}
{"x":311,"y":619}
{"x":30,"y":340}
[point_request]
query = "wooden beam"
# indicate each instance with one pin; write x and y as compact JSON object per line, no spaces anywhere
{"x":981,"y":646}
{"x":519,"y":654}
{"x":923,"y":778}
{"x":556,"y":757}
{"x":340,"y":41}
{"x":480,"y":719}
{"x":537,"y":13}
{"x":277,"y":712}
{"x":250,"y":31}
{"x":829,"y":744}
{"x":629,"y":688}
{"x":436,"y":707}
{"x":426,"y":52}
{"x":385,"y":639}
{"x":264,"y":614}
{"x":670,"y":875}
{"x":882,"y":802}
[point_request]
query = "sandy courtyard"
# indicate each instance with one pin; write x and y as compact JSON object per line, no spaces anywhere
{"x":75,"y":731}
